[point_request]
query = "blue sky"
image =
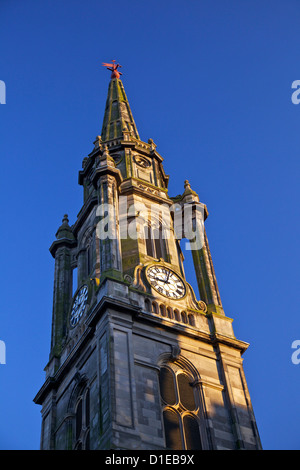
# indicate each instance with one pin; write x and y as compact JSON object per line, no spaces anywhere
{"x":210,"y":83}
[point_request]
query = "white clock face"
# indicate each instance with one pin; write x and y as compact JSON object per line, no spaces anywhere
{"x":79,"y":305}
{"x":166,"y":282}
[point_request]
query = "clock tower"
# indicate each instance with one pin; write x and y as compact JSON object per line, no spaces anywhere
{"x":137,"y":361}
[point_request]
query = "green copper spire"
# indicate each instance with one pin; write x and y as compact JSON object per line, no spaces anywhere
{"x":117,"y":116}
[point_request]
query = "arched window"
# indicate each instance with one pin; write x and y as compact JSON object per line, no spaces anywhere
{"x":192,"y":434}
{"x":177,"y":314}
{"x":154,"y":307}
{"x":170,"y":312}
{"x":155,"y":241}
{"x":88,"y":259}
{"x":172,"y":429}
{"x":183,"y":317}
{"x":78,"y":420}
{"x":162,"y":310}
{"x":82,"y":421}
{"x":180,"y":418}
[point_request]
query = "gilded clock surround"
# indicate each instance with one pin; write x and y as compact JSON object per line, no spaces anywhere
{"x":161,"y":286}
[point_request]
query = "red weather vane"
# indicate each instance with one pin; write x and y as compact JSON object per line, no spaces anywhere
{"x":113,"y":67}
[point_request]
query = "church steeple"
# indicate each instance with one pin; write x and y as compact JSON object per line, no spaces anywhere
{"x":118,"y":116}
{"x":136,"y":360}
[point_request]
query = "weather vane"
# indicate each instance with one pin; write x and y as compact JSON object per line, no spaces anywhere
{"x":113,"y":67}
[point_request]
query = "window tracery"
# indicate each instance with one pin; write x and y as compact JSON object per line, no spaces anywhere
{"x":179,"y":409}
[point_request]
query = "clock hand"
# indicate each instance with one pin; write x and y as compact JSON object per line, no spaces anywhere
{"x":162,"y":280}
{"x":158,"y":279}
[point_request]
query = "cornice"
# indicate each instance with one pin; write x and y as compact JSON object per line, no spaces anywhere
{"x":106,"y":170}
{"x":62,"y":242}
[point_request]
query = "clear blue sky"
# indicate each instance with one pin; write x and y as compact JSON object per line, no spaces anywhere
{"x":210,"y":82}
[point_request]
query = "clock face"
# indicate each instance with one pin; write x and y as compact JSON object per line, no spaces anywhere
{"x":166,"y":282}
{"x":79,"y":305}
{"x":142,"y":161}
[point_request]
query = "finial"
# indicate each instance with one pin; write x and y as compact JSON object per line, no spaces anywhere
{"x":105,"y":152}
{"x":113,"y":67}
{"x":152,"y":144}
{"x":65,"y":219}
{"x":98,"y":142}
{"x":105,"y":158}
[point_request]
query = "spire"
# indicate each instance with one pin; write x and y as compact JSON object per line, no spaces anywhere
{"x":118,"y":116}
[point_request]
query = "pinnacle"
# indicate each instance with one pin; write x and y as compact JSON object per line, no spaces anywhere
{"x":65,"y":231}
